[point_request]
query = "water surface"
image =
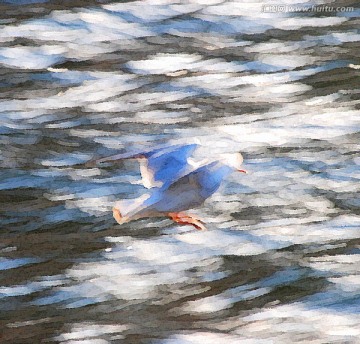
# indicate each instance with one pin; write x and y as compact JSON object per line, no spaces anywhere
{"x":280,"y":260}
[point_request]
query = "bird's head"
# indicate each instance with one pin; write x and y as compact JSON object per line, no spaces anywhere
{"x":233,"y":160}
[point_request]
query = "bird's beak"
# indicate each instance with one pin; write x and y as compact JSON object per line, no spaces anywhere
{"x":242,"y":171}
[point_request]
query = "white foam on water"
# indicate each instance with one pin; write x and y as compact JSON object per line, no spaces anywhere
{"x":136,"y":273}
{"x":31,"y":57}
{"x":170,"y":63}
{"x":150,"y":11}
{"x":298,"y":22}
{"x":201,"y":337}
{"x":288,"y":61}
{"x":92,"y":205}
{"x":297,"y":320}
{"x":313,"y":229}
{"x":349,"y":36}
{"x":101,"y":87}
{"x":222,"y":301}
{"x":31,"y":287}
{"x":89,"y":332}
{"x":43,"y":30}
{"x":338,"y":265}
{"x":278,"y":47}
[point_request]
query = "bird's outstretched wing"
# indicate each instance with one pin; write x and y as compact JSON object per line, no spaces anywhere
{"x":159,"y":167}
{"x":189,"y":191}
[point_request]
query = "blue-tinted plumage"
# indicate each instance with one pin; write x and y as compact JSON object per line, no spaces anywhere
{"x":161,"y":166}
{"x":176,"y":185}
{"x":168,"y":164}
{"x":189,"y":191}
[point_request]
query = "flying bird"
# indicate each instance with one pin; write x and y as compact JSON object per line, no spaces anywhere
{"x":176,"y":182}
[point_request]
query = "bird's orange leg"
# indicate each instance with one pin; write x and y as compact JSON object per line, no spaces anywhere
{"x":185,"y":219}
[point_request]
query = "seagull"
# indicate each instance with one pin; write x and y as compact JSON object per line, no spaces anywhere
{"x":176,"y":181}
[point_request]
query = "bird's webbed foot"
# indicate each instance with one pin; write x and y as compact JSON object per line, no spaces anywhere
{"x":186,"y":219}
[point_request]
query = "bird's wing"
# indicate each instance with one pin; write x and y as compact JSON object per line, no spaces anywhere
{"x":189,"y":191}
{"x":161,"y":166}
{"x":205,"y":180}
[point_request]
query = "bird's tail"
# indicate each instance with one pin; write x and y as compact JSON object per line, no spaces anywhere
{"x":120,"y":219}
{"x":127,"y":210}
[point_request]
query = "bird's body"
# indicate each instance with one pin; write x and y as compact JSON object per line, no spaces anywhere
{"x":176,"y":185}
